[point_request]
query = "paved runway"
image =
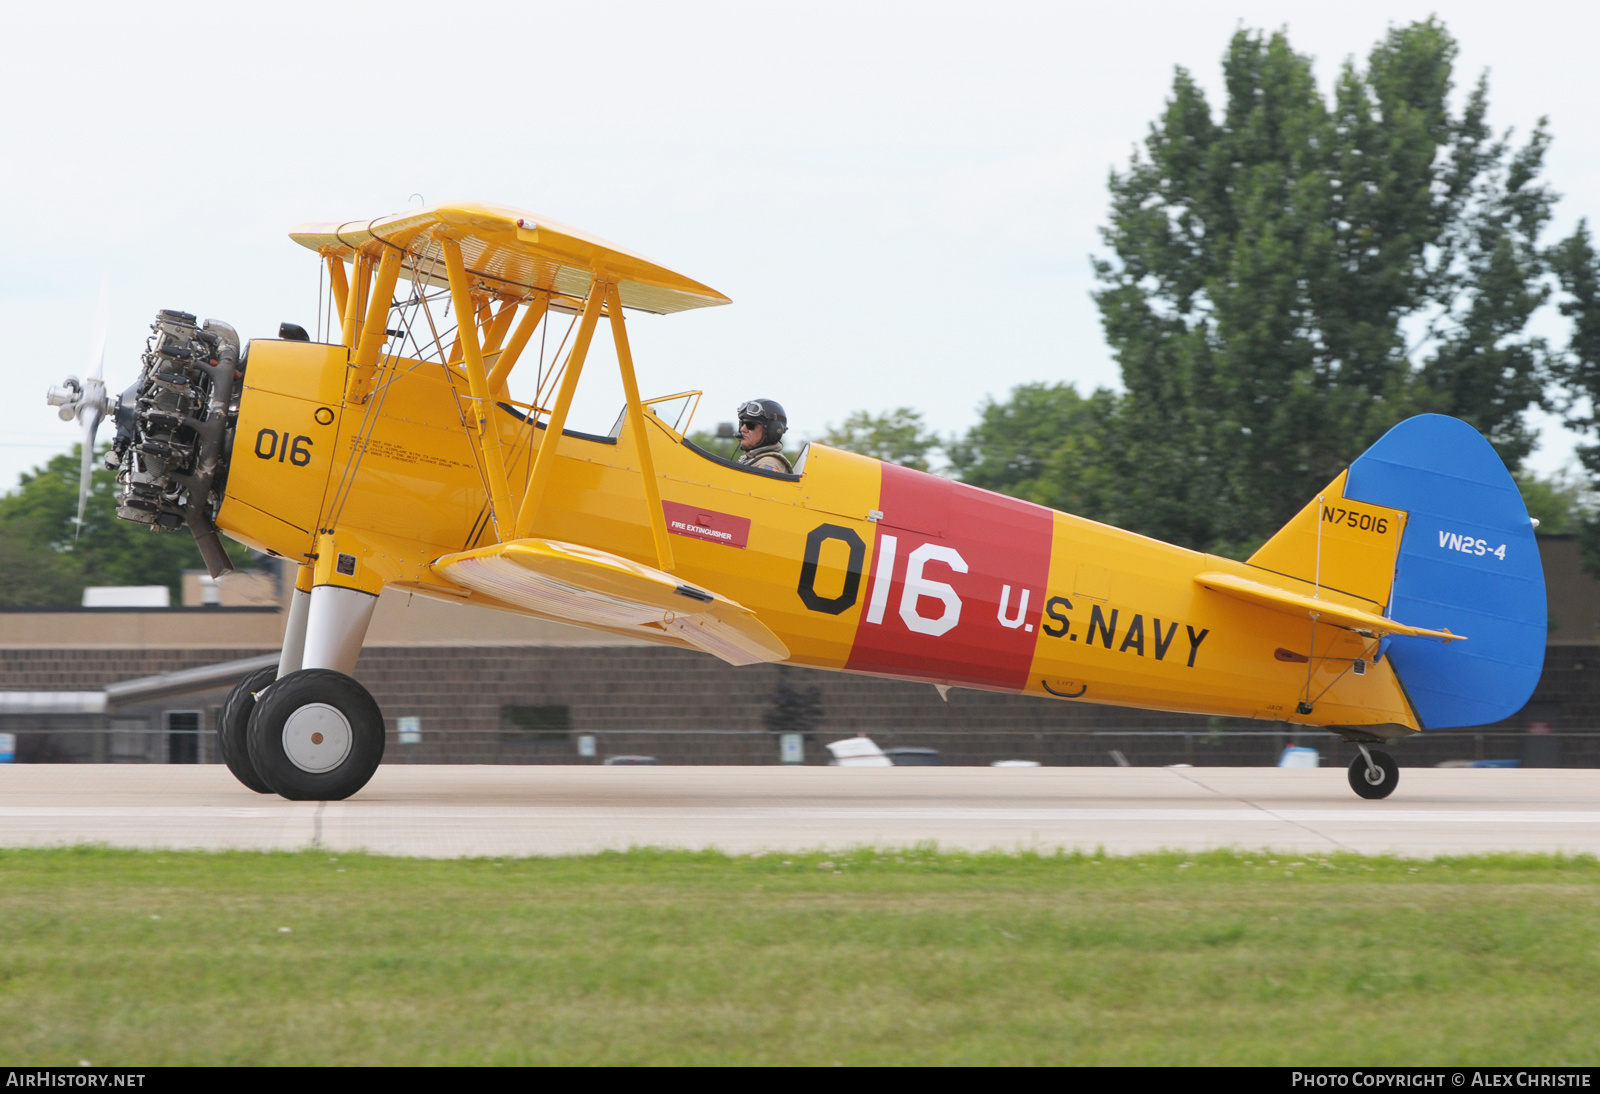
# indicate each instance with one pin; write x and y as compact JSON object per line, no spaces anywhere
{"x":451,"y":811}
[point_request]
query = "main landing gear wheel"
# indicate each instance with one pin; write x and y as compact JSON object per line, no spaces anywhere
{"x":1375,"y":779}
{"x":317,"y":735}
{"x":233,"y":731}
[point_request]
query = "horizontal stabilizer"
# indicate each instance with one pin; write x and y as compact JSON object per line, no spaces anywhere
{"x":1325,"y":611}
{"x":594,"y":588}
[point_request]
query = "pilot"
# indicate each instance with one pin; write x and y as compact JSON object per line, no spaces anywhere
{"x":762,"y":424}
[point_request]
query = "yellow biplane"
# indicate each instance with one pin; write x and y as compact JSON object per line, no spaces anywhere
{"x":1406,"y":596}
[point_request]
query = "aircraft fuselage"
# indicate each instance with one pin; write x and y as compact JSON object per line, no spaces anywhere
{"x":856,"y":565}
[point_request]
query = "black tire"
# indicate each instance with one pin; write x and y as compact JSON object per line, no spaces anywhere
{"x":317,"y":735}
{"x":1361,"y":777}
{"x":234,"y":728}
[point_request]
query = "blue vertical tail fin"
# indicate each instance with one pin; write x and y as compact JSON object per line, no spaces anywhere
{"x":1468,"y":563}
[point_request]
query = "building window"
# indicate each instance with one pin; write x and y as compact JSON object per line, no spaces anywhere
{"x":128,"y":741}
{"x":541,"y":728}
{"x":183,"y":736}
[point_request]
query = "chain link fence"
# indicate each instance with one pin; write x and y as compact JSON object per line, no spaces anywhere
{"x":1075,"y":748}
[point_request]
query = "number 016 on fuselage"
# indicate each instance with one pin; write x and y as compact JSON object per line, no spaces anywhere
{"x":1407,"y":595}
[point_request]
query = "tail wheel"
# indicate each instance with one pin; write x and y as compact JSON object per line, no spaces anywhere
{"x":316,"y":735}
{"x":233,"y":731}
{"x":1376,"y":780}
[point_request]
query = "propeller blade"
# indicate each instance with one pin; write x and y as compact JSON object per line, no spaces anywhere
{"x":102,"y":325}
{"x":86,"y":401}
{"x":91,"y":422}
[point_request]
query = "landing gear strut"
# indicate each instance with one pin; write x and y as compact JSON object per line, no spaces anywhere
{"x":1373,"y":774}
{"x":306,"y":729}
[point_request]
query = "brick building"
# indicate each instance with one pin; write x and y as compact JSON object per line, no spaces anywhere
{"x":488,"y":687}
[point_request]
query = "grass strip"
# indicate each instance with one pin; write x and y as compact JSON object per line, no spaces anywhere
{"x":147,"y":958}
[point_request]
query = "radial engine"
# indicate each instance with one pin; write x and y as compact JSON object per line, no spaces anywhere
{"x":174,"y":430}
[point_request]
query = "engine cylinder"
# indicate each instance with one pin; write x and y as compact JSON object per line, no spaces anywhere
{"x":175,"y":431}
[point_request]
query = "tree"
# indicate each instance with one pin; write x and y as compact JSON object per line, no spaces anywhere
{"x":1269,"y":266}
{"x":48,"y":566}
{"x":1577,"y":371}
{"x":1046,"y":444}
{"x":719,"y":446}
{"x":793,"y":709}
{"x":1291,"y":275}
{"x":35,"y":575}
{"x":895,"y":436}
{"x":1560,"y":503}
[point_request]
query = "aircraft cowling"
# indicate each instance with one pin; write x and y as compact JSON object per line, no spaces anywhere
{"x":174,"y":433}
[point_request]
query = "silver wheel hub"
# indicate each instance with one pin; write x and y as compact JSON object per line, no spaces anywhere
{"x":317,"y":738}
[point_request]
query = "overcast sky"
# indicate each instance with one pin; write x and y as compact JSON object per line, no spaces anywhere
{"x":901,"y":200}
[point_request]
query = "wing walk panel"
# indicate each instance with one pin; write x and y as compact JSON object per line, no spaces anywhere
{"x":581,"y":585}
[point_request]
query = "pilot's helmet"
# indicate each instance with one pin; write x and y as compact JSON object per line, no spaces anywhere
{"x":768,"y":414}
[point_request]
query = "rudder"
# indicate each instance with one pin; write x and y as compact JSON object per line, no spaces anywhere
{"x":1468,"y":563}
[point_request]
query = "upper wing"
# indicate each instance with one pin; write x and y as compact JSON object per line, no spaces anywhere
{"x":511,"y":250}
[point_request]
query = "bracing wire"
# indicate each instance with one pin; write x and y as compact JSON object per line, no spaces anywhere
{"x":556,"y":373}
{"x":424,"y":272}
{"x":544,"y":329}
